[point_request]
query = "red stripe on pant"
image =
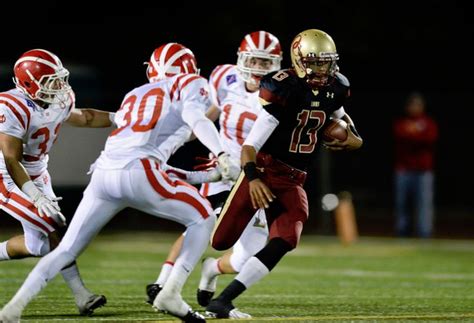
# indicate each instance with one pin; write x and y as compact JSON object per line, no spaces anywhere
{"x":180,"y":196}
{"x":27,"y":204}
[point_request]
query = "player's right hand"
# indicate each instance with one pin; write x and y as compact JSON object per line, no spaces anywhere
{"x":49,"y":207}
{"x":260,"y":194}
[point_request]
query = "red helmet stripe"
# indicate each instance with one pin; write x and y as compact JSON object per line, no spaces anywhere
{"x":250,"y":42}
{"x":262,"y":37}
{"x":273,"y":42}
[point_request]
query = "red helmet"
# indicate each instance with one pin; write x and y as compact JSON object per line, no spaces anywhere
{"x":170,"y":59}
{"x":41,"y":76}
{"x":261,"y":45}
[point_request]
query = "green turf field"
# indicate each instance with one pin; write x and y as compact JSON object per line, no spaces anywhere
{"x":374,"y":280}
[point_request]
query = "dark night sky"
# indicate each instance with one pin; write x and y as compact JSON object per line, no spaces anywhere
{"x":386,"y":50}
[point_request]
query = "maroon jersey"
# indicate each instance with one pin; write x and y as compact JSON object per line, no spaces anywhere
{"x":414,"y":143}
{"x":301,"y":112}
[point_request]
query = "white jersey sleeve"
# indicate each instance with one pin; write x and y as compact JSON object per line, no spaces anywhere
{"x":195,"y":90}
{"x":14,"y":117}
{"x":195,"y":98}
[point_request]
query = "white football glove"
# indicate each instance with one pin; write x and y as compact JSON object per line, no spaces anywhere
{"x":46,"y":206}
{"x":199,"y":177}
{"x":229,"y":168}
{"x":195,"y":177}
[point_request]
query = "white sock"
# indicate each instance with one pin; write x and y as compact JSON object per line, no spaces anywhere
{"x":74,"y":281}
{"x":176,"y":279}
{"x":194,"y":244}
{"x":164,"y":273}
{"x":252,"y":272}
{"x":209,"y":276}
{"x":3,"y":251}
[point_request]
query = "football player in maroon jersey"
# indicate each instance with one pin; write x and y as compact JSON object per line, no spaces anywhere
{"x":297,"y":103}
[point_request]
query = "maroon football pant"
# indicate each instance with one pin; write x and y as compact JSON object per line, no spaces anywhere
{"x":286,"y":213}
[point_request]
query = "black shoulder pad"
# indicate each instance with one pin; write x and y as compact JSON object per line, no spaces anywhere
{"x":275,"y":86}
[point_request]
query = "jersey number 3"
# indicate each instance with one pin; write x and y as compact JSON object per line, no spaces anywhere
{"x":311,"y":120}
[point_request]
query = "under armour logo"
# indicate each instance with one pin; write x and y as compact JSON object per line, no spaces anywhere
{"x":2,"y":118}
{"x":330,"y":95}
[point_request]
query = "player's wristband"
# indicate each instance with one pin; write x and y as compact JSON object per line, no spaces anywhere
{"x":250,"y":170}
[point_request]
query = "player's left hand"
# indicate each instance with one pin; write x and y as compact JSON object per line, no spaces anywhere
{"x":353,"y":141}
{"x":260,"y":194}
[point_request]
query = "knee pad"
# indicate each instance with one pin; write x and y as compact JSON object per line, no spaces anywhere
{"x":37,"y":245}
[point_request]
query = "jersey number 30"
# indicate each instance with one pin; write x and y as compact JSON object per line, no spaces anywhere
{"x":130,"y":104}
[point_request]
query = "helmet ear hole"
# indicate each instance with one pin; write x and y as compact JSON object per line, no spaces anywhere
{"x":27,"y":84}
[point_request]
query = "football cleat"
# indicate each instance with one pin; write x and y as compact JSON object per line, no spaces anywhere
{"x":92,"y":303}
{"x":193,"y":317}
{"x":204,"y":297}
{"x":174,"y":305}
{"x":152,"y":291}
{"x":224,"y":310}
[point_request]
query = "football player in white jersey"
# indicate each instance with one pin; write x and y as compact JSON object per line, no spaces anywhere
{"x":153,"y":121}
{"x":30,"y":118}
{"x":234,"y":94}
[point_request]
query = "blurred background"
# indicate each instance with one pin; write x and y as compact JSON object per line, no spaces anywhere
{"x":387,"y":50}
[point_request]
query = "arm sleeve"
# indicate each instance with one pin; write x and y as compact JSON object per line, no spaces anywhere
{"x":195,"y":98}
{"x":261,"y":130}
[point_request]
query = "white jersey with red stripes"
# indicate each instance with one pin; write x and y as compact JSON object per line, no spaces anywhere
{"x":239,"y":109}
{"x":36,"y":126}
{"x":150,"y":122}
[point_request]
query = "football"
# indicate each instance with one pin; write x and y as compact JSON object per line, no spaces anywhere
{"x":336,"y":129}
